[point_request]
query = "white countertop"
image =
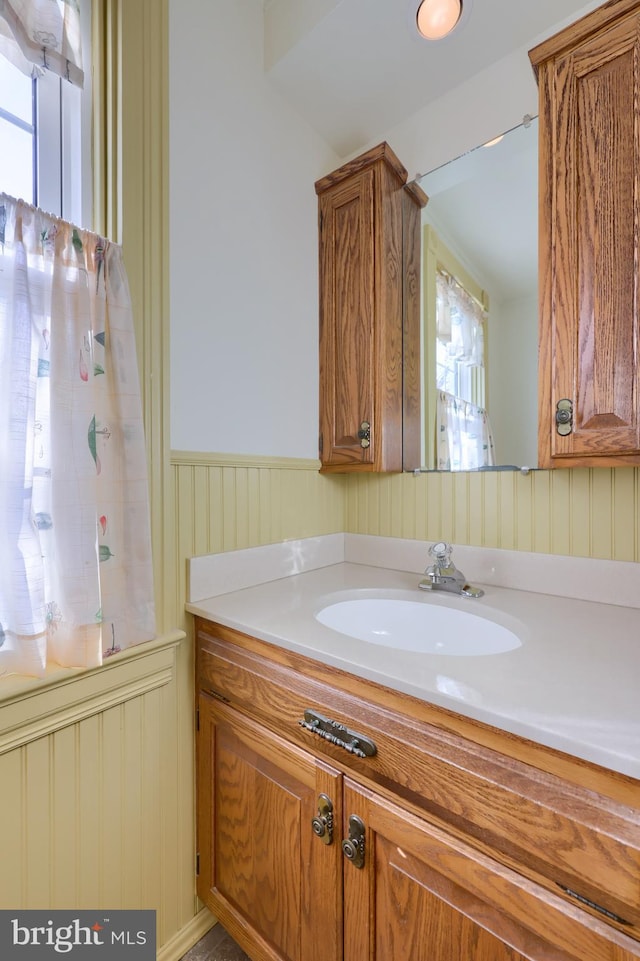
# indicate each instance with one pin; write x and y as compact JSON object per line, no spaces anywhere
{"x":573,"y":684}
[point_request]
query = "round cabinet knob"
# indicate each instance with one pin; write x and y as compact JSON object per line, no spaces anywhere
{"x":564,"y":416}
{"x":322,"y":823}
{"x":365,"y":434}
{"x":353,"y":846}
{"x":318,"y":827}
{"x":350,"y":850}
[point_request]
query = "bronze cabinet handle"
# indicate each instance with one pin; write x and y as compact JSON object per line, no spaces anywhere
{"x":338,"y":734}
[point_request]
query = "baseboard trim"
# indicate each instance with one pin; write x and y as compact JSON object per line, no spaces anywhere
{"x":190,"y":934}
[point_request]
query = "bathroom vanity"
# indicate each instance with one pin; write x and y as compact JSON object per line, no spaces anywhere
{"x":347,"y":809}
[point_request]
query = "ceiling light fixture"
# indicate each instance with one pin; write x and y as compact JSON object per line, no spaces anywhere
{"x":437,"y":18}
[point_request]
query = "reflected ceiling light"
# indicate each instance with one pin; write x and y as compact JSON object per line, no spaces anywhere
{"x":437,"y":18}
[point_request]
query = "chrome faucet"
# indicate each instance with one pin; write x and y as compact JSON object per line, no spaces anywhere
{"x":443,"y":575}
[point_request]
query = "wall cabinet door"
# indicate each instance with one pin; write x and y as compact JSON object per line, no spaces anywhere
{"x":425,"y":895}
{"x":589,"y":386}
{"x":264,"y":872}
{"x":347,"y":325}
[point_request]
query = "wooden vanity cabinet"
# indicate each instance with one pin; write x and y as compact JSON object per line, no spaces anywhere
{"x":263,"y":871}
{"x":427,"y":896}
{"x":589,"y":196}
{"x":369,"y":250}
{"x":461,"y":841}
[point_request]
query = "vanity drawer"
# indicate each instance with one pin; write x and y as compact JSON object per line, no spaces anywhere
{"x":577,"y":839}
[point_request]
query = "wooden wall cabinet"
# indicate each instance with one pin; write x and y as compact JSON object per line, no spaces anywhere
{"x":589,"y":388}
{"x":474,"y":844}
{"x":369,"y":240}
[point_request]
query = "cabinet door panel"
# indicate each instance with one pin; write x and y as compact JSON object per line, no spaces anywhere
{"x":590,"y":197}
{"x":263,"y":871}
{"x":347,"y":318}
{"x":425,"y":895}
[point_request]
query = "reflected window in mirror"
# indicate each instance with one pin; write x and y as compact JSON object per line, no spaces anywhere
{"x":483,"y":208}
{"x":457,"y":430}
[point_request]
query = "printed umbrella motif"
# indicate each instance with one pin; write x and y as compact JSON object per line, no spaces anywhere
{"x":92,"y":440}
{"x":91,"y":437}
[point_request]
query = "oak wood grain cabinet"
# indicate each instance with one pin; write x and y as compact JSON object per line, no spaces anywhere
{"x":448,"y":840}
{"x":589,"y":90}
{"x":369,"y":262}
{"x":261,"y":864}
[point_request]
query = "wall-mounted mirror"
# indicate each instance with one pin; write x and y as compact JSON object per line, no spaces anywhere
{"x":481,"y":222}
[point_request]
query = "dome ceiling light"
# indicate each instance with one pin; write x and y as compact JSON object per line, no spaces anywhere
{"x":437,"y":18}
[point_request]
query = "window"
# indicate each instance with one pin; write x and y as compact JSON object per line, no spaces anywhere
{"x":72,"y":451}
{"x":17,"y":132}
{"x":45,"y":135}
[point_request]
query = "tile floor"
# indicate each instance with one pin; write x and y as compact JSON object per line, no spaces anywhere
{"x":216,"y":945}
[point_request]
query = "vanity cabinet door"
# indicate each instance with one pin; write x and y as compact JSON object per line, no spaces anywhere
{"x":366,"y":263}
{"x":425,"y":895}
{"x":589,"y":388}
{"x":264,"y":871}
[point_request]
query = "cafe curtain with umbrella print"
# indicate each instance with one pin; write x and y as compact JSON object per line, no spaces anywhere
{"x":76,"y":581}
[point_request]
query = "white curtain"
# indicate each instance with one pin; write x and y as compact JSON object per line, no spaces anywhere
{"x":463,"y":435}
{"x":75,"y":550}
{"x":464,"y":439}
{"x":460,"y":341}
{"x":38,"y":35}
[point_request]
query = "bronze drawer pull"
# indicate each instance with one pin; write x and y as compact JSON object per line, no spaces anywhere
{"x":338,"y":734}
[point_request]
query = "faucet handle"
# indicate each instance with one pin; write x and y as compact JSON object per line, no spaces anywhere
{"x":441,"y":552}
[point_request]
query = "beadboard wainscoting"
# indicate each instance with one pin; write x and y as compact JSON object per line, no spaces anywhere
{"x":224,"y":502}
{"x":582,"y":512}
{"x":90,"y":766}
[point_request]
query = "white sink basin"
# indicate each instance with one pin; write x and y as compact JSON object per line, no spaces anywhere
{"x":418,"y":626}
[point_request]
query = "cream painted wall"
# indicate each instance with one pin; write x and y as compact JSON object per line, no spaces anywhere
{"x":244,"y":291}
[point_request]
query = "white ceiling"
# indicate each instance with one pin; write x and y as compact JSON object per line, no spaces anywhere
{"x":356,"y":68}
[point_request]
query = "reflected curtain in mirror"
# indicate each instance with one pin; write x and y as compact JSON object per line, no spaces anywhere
{"x":458,"y":434}
{"x":465,"y":441}
{"x":76,"y":579}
